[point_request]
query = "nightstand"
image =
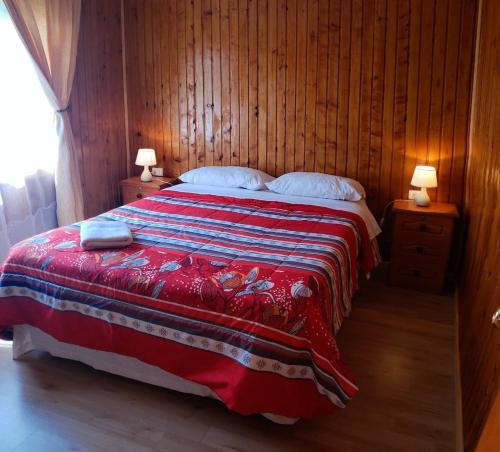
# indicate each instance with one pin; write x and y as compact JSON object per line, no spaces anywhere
{"x":421,"y":244}
{"x":134,"y":189}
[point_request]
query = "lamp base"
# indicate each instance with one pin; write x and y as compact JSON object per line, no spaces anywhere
{"x":146,"y":175}
{"x":422,"y":198}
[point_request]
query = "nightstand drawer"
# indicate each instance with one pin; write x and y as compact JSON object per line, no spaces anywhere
{"x":436,"y":264}
{"x":134,"y":188}
{"x":416,"y":277}
{"x":417,"y":249}
{"x":425,"y":225}
{"x":131,"y":194}
{"x":420,"y":243}
{"x":423,"y":235}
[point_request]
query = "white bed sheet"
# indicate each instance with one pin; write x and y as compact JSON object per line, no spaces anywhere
{"x":358,"y":207}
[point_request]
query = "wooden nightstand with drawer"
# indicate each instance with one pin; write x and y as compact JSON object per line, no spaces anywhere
{"x":134,"y":189}
{"x":421,"y":244}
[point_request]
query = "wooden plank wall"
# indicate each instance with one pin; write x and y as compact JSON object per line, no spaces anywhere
{"x":363,"y":88}
{"x":97,"y":115}
{"x":479,"y":292}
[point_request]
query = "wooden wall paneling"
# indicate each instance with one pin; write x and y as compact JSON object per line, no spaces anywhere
{"x":91,"y":76}
{"x":321,"y":63}
{"x":377,"y":106}
{"x":135,"y":57}
{"x":225,"y":83}
{"x":243,"y":101}
{"x":144,"y":138}
{"x":388,"y":111}
{"x":424,"y":84}
{"x":158,"y":138}
{"x":354,"y":70}
{"x":449,"y":94}
{"x":234,"y":81}
{"x":152,"y":91}
{"x":398,"y":187}
{"x":490,"y":435}
{"x":199,"y":83}
{"x":155,"y":99}
{"x":116,"y":128}
{"x":479,"y":291}
{"x":291,"y":73}
{"x":148,"y":131}
{"x":300,"y":85}
{"x":97,"y":106}
{"x":79,"y":112}
{"x":462,"y":100}
{"x":311,"y":84}
{"x":271,"y":102}
{"x":172,"y":167}
{"x":253,"y":90}
{"x":262,"y":83}
{"x":190,"y":83}
{"x":412,"y":95}
{"x":332,"y":103}
{"x":366,"y":88}
{"x":131,"y":42}
{"x":281,"y":87}
{"x":180,"y":26}
{"x":437,"y":85}
{"x":343,"y":89}
{"x":208,"y":98}
{"x":216,"y":83}
{"x":164,"y":106}
{"x":97,"y":129}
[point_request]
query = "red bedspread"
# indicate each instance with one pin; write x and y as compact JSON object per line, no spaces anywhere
{"x":243,"y":296}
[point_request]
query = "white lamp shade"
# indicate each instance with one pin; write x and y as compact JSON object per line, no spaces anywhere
{"x":424,"y":176}
{"x":146,"y":157}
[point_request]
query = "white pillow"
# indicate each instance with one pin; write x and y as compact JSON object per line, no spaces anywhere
{"x":227,"y":176}
{"x":318,"y":185}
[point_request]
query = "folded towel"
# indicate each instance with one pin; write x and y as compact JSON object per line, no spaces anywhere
{"x":104,"y":234}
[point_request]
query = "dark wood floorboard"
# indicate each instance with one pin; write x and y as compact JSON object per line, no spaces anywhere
{"x":398,"y":343}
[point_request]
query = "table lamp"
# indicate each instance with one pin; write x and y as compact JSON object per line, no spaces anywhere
{"x":146,"y":157}
{"x":423,"y":177}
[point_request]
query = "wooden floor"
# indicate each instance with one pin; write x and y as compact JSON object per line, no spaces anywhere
{"x":399,"y":345}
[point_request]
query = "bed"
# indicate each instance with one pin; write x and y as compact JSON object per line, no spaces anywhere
{"x":228,"y":293}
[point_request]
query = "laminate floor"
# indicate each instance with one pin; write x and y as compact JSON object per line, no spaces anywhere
{"x":398,"y":343}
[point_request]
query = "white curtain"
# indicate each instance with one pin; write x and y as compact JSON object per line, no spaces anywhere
{"x":49,"y":30}
{"x":28,"y":144}
{"x":26,"y":210}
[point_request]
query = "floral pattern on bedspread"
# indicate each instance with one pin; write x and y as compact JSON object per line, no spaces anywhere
{"x":226,"y":292}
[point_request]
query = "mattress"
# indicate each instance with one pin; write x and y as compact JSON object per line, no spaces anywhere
{"x":240,"y":295}
{"x":28,"y":338}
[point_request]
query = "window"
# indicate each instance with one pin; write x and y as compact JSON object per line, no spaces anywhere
{"x":28,"y":141}
{"x":28,"y":144}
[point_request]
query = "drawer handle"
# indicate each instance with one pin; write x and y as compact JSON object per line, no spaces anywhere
{"x":139,"y":195}
{"x":423,"y":227}
{"x":416,"y":272}
{"x":419,"y":249}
